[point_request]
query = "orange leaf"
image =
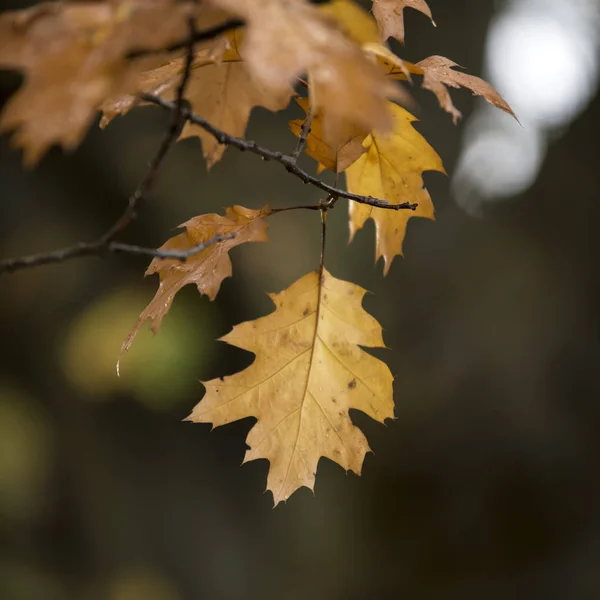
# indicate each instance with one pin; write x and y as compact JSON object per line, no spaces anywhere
{"x":390,"y":16}
{"x":439,"y":73}
{"x":206,"y":269}
{"x":309,"y":371}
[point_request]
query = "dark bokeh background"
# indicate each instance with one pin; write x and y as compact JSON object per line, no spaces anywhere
{"x":486,"y":485}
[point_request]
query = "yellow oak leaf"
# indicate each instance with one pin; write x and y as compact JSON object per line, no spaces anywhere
{"x":330,"y":155}
{"x":309,"y":371}
{"x":390,"y":16}
{"x":206,"y":269}
{"x":438,"y":72}
{"x":75,"y":56}
{"x":392,"y":169}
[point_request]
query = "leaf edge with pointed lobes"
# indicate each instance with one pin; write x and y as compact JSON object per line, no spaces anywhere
{"x":366,"y":177}
{"x":235,"y":219}
{"x":274,"y":400}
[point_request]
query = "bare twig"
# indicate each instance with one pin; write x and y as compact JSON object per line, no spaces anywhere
{"x":304,"y":131}
{"x":170,"y":138}
{"x":199,"y":36}
{"x":287,"y":161}
{"x":99,"y":248}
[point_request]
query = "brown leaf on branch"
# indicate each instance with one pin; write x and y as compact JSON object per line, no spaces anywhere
{"x":208,"y":268}
{"x":390,"y":16}
{"x":392,"y":169}
{"x":284,"y":40}
{"x":308,"y":372}
{"x":331,"y":155}
{"x":438,"y":72}
{"x":74,"y":55}
{"x":220,"y":89}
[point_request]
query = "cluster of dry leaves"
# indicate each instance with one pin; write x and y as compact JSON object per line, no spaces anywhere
{"x":82,"y":57}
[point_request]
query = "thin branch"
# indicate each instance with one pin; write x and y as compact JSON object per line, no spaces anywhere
{"x":105,"y":243}
{"x":170,"y":138}
{"x":99,"y":248}
{"x":287,"y":161}
{"x":304,"y":131}
{"x":199,"y":36}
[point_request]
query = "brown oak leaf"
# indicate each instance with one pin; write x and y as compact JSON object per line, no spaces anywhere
{"x":206,"y":269}
{"x":438,"y":72}
{"x":390,"y":16}
{"x":75,"y":55}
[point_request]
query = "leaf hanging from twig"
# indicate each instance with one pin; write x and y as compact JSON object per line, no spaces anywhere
{"x":308,"y":372}
{"x":208,"y":268}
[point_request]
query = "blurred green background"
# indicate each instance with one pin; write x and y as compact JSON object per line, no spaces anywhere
{"x":486,"y":485}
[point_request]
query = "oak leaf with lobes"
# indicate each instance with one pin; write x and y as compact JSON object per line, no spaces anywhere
{"x":308,"y":372}
{"x":392,"y":169}
{"x":206,"y":269}
{"x":438,"y":72}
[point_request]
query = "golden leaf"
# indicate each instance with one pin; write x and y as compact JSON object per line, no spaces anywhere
{"x":330,"y":155}
{"x":392,"y":169}
{"x":355,"y":22}
{"x":308,"y":372}
{"x":438,"y":73}
{"x":220,"y":88}
{"x":206,"y":269}
{"x":390,"y":16}
{"x":284,"y":40}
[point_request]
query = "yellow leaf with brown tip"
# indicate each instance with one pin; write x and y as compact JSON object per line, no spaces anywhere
{"x":392,"y":169}
{"x":309,"y":371}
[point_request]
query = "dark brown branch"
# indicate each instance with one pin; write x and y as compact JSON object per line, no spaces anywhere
{"x":287,"y":161}
{"x":199,"y":36}
{"x":304,"y":131}
{"x":170,"y":138}
{"x":100,"y":248}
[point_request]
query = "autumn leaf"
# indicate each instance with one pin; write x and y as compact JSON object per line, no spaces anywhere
{"x":220,"y":88}
{"x":74,"y":55}
{"x":284,"y":40}
{"x":392,"y":169}
{"x":206,"y":269}
{"x":390,"y":16}
{"x":438,"y":72}
{"x":309,"y":371}
{"x":336,"y":157}
{"x":355,"y":22}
